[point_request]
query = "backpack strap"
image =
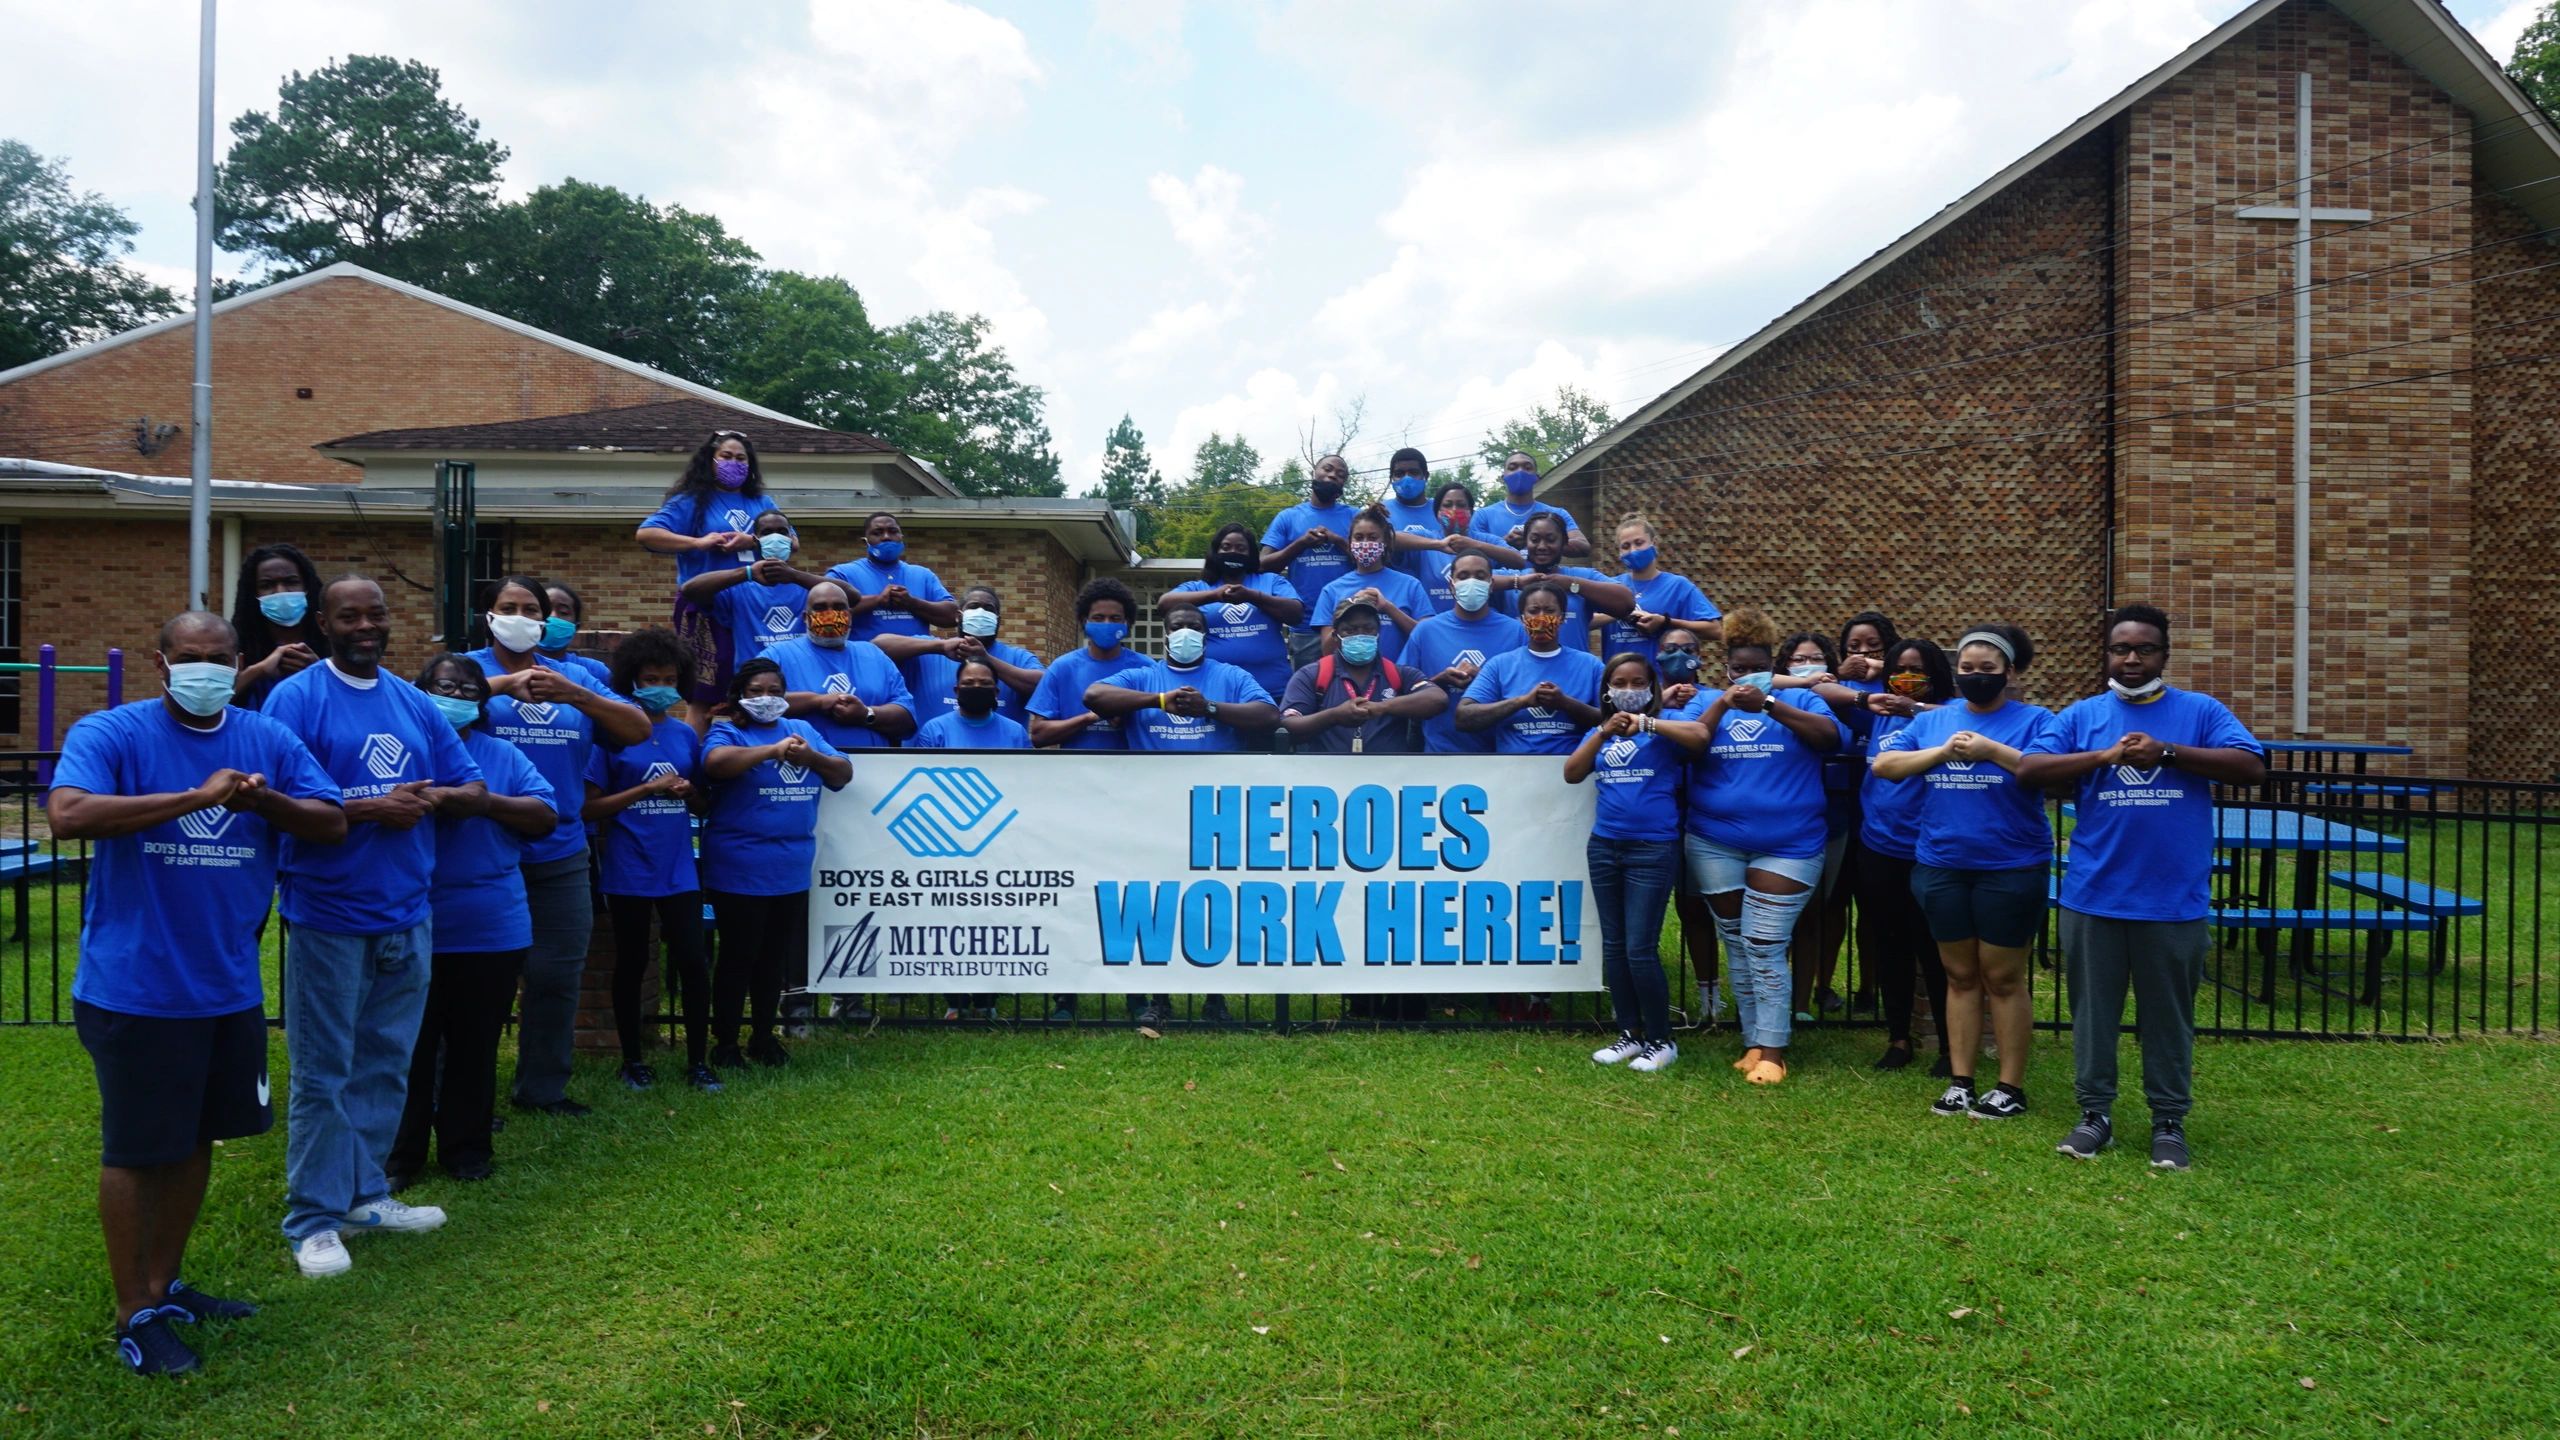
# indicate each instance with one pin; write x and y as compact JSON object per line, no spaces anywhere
{"x":1324,"y":676}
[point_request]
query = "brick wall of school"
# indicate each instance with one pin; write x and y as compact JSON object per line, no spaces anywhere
{"x":2204,"y":441}
{"x":1863,"y":460}
{"x":372,"y":358}
{"x":2515,"y":450}
{"x":91,"y":585}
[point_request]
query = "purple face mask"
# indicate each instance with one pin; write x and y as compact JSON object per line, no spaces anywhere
{"x":730,"y":473}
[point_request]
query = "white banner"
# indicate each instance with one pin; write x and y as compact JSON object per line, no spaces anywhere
{"x":1097,"y":873}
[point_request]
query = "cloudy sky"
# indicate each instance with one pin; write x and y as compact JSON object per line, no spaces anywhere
{"x":1213,"y":217}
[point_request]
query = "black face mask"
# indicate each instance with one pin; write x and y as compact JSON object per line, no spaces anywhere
{"x":976,"y":701}
{"x":1226,"y":564}
{"x":1680,"y":665}
{"x":1982,"y":687}
{"x":1327,"y":491}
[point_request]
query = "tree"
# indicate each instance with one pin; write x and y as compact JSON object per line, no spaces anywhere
{"x":806,"y":346}
{"x":364,"y":160}
{"x":1347,"y":423}
{"x":1130,"y":480}
{"x":666,"y":287}
{"x":960,"y":405}
{"x":1225,"y":487}
{"x":2536,"y":63}
{"x":62,"y":282}
{"x":1550,"y":433}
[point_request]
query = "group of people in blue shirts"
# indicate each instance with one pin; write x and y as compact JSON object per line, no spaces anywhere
{"x":439,"y":845}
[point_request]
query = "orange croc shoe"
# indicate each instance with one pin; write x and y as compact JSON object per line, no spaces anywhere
{"x":1767,"y":1072}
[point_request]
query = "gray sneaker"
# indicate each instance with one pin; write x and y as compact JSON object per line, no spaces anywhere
{"x":2169,"y":1145}
{"x":2094,"y":1133}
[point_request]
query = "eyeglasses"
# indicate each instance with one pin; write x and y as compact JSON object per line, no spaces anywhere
{"x":728,"y":434}
{"x":2147,"y":652}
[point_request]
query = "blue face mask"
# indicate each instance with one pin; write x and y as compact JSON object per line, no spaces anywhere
{"x":977,"y":622}
{"x":1678,"y":665}
{"x":1759,"y":680}
{"x":1520,"y":483}
{"x":558,"y":631}
{"x":657,"y":699}
{"x":1472,"y":595}
{"x":887,"y":552}
{"x":776,"y":546}
{"x":1185,"y":647}
{"x":201,"y":687}
{"x":1105,"y":634}
{"x":285,"y":607}
{"x":1638,"y":559}
{"x":458,"y":713}
{"x":1358,"y":649}
{"x":1409,"y":488}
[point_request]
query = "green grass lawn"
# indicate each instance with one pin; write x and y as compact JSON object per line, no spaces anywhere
{"x":1362,"y":1234}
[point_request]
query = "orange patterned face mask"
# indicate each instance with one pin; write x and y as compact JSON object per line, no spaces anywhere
{"x":1543,"y":629}
{"x":831,"y":624}
{"x":1911,"y":684}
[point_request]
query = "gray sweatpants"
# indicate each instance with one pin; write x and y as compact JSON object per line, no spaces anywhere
{"x":2162,"y":961}
{"x":564,"y":920}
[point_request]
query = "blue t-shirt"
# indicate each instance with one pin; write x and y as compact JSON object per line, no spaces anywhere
{"x":169,"y":920}
{"x":1060,"y":695}
{"x":952,"y":730}
{"x":1164,"y":730}
{"x":371,"y":739}
{"x":1976,"y":815}
{"x":1244,"y":635}
{"x":1496,"y":521}
{"x":1577,"y":608}
{"x":1447,"y":639}
{"x":932,"y":676}
{"x":557,"y":738}
{"x":1431,"y":567}
{"x":1889,"y":818}
{"x":1844,"y":775}
{"x":478,"y":895}
{"x":593,"y":669}
{"x":1758,"y":789}
{"x":857,"y":668}
{"x":2142,"y":845}
{"x":761,"y":837}
{"x":1639,"y":778}
{"x":1664,"y":594}
{"x":1532,"y":730}
{"x":1317,"y":565}
{"x":648,"y":848}
{"x":760,"y":617}
{"x":707,"y":515}
{"x":871,"y":578}
{"x":1397,"y":586}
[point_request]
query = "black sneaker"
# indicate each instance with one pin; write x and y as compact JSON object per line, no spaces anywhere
{"x":638,"y":1077}
{"x":702,"y":1078}
{"x":564,"y":1107}
{"x":1894,"y":1057}
{"x":728,"y":1057}
{"x":768,"y":1052}
{"x":2094,"y":1133}
{"x":472,"y":1171}
{"x":2169,"y":1145}
{"x":1213,"y":1011}
{"x":188,"y":1305}
{"x":2000,"y":1102}
{"x":151,"y":1347}
{"x":1954,"y":1100}
{"x":1154,"y":1014}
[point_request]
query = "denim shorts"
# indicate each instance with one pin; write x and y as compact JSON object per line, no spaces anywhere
{"x":1997,"y":907}
{"x":1718,"y":869}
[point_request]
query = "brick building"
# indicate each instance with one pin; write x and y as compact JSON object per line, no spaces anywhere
{"x":335,"y":396}
{"x":2074,"y":387}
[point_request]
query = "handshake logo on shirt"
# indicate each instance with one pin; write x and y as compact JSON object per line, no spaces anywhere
{"x":945,"y":813}
{"x":385,"y":756}
{"x":778,"y":618}
{"x":208,"y":823}
{"x":535,"y":712}
{"x":1618,"y":752}
{"x":2132,"y":776}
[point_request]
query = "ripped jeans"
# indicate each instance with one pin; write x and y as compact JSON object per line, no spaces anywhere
{"x":1756,"y":941}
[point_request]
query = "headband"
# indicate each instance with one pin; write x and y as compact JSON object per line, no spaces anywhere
{"x":1995,"y":641}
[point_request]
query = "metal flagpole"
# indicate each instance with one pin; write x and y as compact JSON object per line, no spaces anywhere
{"x":200,"y":464}
{"x":2301,"y":409}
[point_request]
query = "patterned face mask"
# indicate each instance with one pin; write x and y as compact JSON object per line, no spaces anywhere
{"x":1365,"y":553}
{"x":831,"y":624}
{"x":1910,"y":684}
{"x":1543,"y":629}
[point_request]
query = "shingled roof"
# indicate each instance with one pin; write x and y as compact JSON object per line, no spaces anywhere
{"x":669,"y":427}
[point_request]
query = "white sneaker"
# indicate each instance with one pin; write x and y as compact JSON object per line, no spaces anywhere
{"x":1625,"y":1047}
{"x":389,"y":1214}
{"x":1656,"y":1057}
{"x":322,"y":1254}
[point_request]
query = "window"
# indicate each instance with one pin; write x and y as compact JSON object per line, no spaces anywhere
{"x":489,"y":555}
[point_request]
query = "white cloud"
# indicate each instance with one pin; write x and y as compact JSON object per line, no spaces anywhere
{"x":1152,"y":31}
{"x":1209,"y":219}
{"x":1269,"y":409}
{"x":2499,"y":33}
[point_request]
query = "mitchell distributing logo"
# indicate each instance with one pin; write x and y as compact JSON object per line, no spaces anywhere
{"x":208,"y":823}
{"x":2137,"y":777}
{"x":385,"y":756}
{"x":852,"y":951}
{"x":838,"y":684}
{"x":1618,"y":752}
{"x":780,"y":618}
{"x":951,"y":814}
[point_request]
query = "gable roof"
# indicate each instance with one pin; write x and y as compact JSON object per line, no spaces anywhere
{"x":2422,"y":33}
{"x":667,"y":427}
{"x":345,"y":270}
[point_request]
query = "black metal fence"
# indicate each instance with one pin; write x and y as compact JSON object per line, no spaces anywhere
{"x":2347,"y":905}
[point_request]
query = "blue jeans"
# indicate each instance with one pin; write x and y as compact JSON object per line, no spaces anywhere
{"x":351,"y":1009}
{"x":1631,"y":880}
{"x":1755,"y":941}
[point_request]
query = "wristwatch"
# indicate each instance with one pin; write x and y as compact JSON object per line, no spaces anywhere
{"x":2168,"y":754}
{"x":1213,"y":709}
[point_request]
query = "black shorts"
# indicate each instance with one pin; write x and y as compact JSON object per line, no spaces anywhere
{"x":1998,"y":907}
{"x":166,"y":1088}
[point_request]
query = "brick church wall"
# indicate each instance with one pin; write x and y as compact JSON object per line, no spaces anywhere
{"x":2515,"y":451}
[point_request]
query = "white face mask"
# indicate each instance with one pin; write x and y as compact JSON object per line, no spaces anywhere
{"x":1632,"y":701}
{"x":1185,"y":647}
{"x":978,"y":622}
{"x":2136,"y":692}
{"x":516,"y":633}
{"x":1807,"y":672}
{"x":764,"y":709}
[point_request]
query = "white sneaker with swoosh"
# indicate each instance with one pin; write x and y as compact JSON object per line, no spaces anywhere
{"x":389,"y":1214}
